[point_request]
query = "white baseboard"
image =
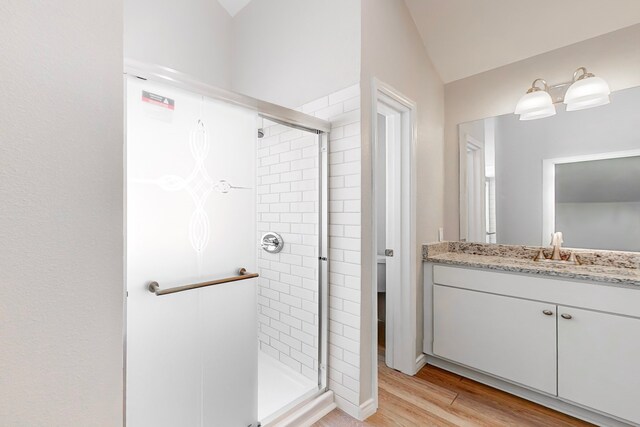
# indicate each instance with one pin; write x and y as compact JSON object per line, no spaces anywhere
{"x":347,"y":407}
{"x":421,"y":361}
{"x":308,"y":413}
{"x":362,"y":412}
{"x":367,"y":409}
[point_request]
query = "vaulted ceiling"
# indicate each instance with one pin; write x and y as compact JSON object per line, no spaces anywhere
{"x":233,"y":6}
{"x":466,"y":37}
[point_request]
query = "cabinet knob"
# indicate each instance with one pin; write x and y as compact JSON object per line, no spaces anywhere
{"x":566,"y":316}
{"x":547,"y":312}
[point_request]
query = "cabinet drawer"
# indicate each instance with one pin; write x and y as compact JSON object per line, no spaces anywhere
{"x":508,"y":337}
{"x":593,"y":296}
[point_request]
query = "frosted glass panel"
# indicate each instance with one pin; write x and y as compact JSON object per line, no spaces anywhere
{"x":191,"y":175}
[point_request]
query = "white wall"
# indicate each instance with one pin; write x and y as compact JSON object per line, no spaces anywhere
{"x":393,"y":52}
{"x":521,"y":147}
{"x":291,"y":52}
{"x":192,"y":36}
{"x":614,"y":56}
{"x":61,"y":192}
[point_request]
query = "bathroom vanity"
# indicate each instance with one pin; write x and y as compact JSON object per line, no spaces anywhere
{"x":564,"y":336}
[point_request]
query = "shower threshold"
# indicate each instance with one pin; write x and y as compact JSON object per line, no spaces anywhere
{"x":280,"y":388}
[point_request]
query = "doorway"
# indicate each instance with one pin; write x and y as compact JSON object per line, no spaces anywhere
{"x":395,"y":262}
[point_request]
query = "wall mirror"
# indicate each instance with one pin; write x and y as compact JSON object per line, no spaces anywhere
{"x":577,"y":172}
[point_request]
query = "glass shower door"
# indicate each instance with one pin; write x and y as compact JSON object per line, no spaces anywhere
{"x":289,"y":289}
{"x":192,"y":356}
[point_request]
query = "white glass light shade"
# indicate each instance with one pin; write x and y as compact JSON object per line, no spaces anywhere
{"x":535,"y":105}
{"x":547,"y":112}
{"x":586,"y":93}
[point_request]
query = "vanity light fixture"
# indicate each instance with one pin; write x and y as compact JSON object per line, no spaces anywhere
{"x":584,"y":91}
{"x":536,"y":103}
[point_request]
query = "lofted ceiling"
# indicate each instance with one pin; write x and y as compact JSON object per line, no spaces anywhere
{"x":466,"y":37}
{"x":233,"y":6}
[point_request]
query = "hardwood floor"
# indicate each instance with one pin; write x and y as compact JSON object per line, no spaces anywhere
{"x":435,"y":397}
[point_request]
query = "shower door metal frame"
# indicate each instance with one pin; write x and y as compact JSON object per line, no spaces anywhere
{"x":273,"y":112}
{"x":323,"y":260}
{"x":277,"y":114}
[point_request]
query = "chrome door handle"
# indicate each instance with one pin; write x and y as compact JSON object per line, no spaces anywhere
{"x":388,"y":252}
{"x":547,"y":312}
{"x":566,"y":316}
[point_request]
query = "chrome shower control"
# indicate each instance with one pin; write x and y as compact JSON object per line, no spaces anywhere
{"x":272,"y":242}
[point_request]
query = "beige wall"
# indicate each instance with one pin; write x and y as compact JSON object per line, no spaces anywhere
{"x":291,"y":52}
{"x":191,"y":36}
{"x":392,"y":51}
{"x":614,"y":56}
{"x":61,"y":215}
{"x":288,"y":52}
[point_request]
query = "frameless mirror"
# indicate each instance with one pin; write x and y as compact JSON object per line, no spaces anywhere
{"x":577,"y":172}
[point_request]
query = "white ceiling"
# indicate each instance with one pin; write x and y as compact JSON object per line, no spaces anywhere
{"x":233,"y":6}
{"x":466,"y":37}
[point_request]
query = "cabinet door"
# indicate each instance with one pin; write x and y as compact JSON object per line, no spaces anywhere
{"x":508,"y":337}
{"x":599,"y":361}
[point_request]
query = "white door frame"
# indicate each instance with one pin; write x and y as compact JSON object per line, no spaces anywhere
{"x":403,"y":307}
{"x":467,"y":142}
{"x":394,"y":125}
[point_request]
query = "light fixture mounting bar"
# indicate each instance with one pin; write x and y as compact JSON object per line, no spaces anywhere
{"x":557,"y":91}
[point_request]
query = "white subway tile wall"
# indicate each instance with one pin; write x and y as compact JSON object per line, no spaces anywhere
{"x":342,"y":109}
{"x":288,"y":204}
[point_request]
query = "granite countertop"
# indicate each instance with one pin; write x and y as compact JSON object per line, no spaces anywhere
{"x":607,"y":267}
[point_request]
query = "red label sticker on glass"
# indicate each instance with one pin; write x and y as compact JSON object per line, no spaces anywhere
{"x":158,"y":100}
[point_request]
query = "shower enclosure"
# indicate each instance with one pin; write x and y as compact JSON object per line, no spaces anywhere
{"x":226,"y":254}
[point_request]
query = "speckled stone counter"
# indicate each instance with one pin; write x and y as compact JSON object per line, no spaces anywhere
{"x":607,"y":267}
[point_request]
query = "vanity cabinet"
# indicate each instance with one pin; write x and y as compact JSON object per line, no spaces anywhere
{"x":599,"y":361}
{"x":571,"y":342}
{"x":508,"y":337}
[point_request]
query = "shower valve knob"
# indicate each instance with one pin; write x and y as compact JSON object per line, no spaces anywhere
{"x":272,"y":242}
